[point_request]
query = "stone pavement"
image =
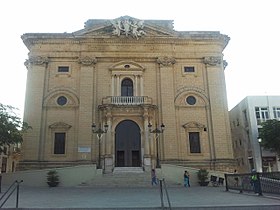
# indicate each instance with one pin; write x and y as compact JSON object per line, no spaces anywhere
{"x":85,"y":197}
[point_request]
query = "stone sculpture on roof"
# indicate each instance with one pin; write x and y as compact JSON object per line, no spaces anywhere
{"x":128,"y":27}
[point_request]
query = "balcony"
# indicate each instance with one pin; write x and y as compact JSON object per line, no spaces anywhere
{"x":127,"y":100}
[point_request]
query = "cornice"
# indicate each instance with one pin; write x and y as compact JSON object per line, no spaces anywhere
{"x":118,"y":40}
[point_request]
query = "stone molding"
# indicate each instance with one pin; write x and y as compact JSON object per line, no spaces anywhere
{"x":166,"y":61}
{"x":87,"y":61}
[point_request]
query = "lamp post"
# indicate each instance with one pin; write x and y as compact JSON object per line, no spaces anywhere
{"x":260,"y":141}
{"x":99,"y":133}
{"x":157,"y":131}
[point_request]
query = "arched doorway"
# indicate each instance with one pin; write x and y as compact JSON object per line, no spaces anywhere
{"x":127,"y":144}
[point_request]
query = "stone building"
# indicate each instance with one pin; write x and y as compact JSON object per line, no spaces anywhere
{"x":127,"y":79}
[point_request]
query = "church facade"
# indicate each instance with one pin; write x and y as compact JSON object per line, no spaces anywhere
{"x":126,"y":93}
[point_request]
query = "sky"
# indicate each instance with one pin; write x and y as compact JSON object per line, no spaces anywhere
{"x":252,"y":25}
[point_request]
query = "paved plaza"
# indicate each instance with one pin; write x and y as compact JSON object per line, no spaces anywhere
{"x":85,"y":197}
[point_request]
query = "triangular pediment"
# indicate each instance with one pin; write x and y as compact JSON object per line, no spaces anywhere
{"x":127,"y":65}
{"x":127,"y":26}
{"x":60,"y":125}
{"x":193,"y":125}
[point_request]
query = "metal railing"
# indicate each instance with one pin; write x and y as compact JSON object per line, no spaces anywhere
{"x":14,"y":186}
{"x":162,"y":189}
{"x":268,"y":182}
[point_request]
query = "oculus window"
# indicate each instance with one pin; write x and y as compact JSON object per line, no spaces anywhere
{"x":191,"y":100}
{"x":61,"y":100}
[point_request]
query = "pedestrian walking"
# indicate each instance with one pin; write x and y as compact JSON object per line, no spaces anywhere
{"x":154,"y":177}
{"x":186,"y":179}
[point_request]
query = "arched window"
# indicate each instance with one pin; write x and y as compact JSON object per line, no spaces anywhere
{"x":127,"y":87}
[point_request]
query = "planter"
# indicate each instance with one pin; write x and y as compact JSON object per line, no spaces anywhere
{"x":203,"y":184}
{"x":53,"y":184}
{"x":202,"y":176}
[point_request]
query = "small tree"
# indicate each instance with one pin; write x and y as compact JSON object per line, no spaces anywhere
{"x":52,"y":178}
{"x":202,"y":176}
{"x":270,"y":135}
{"x":11,"y":127}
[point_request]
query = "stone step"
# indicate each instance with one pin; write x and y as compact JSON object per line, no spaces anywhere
{"x":124,"y":177}
{"x":120,"y":170}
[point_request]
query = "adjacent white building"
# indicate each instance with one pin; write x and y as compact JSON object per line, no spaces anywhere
{"x":245,"y":120}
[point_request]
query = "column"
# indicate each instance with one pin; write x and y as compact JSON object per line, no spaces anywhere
{"x":141,"y":86}
{"x":147,"y":160}
{"x":113,"y":85}
{"x":108,"y":158}
{"x":136,"y":85}
{"x":118,"y":85}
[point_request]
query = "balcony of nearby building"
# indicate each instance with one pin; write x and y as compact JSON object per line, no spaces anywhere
{"x":127,"y":100}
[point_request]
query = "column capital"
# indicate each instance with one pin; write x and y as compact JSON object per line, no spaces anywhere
{"x":87,"y":61}
{"x":212,"y":60}
{"x":166,"y":61}
{"x":36,"y":60}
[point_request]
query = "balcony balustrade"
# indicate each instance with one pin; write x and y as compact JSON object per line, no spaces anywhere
{"x":127,"y":100}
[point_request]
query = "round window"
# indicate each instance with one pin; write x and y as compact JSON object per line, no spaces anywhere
{"x":61,"y":100}
{"x":191,"y":100}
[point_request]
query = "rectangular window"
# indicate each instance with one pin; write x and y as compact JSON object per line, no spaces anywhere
{"x":59,"y":143}
{"x":262,"y":114}
{"x":63,"y":69}
{"x":188,"y":69}
{"x":194,"y":142}
{"x":276,"y":112}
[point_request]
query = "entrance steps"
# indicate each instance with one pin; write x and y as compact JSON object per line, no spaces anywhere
{"x":123,"y":177}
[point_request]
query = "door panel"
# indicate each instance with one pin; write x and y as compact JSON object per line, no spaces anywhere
{"x":120,"y":158}
{"x":135,"y":158}
{"x":128,"y":144}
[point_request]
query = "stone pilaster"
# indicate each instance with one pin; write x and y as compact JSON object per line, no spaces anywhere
{"x":85,"y":106}
{"x":220,"y":141}
{"x":33,"y":145}
{"x":166,"y":107}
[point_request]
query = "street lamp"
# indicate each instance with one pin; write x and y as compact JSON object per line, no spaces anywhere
{"x":99,"y":133}
{"x":260,"y":141}
{"x":157,"y":131}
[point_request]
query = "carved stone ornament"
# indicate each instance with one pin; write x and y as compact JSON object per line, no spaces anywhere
{"x":129,"y":27}
{"x":166,"y":61}
{"x":36,"y":61}
{"x":87,"y":61}
{"x":213,"y":61}
{"x":225,"y":63}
